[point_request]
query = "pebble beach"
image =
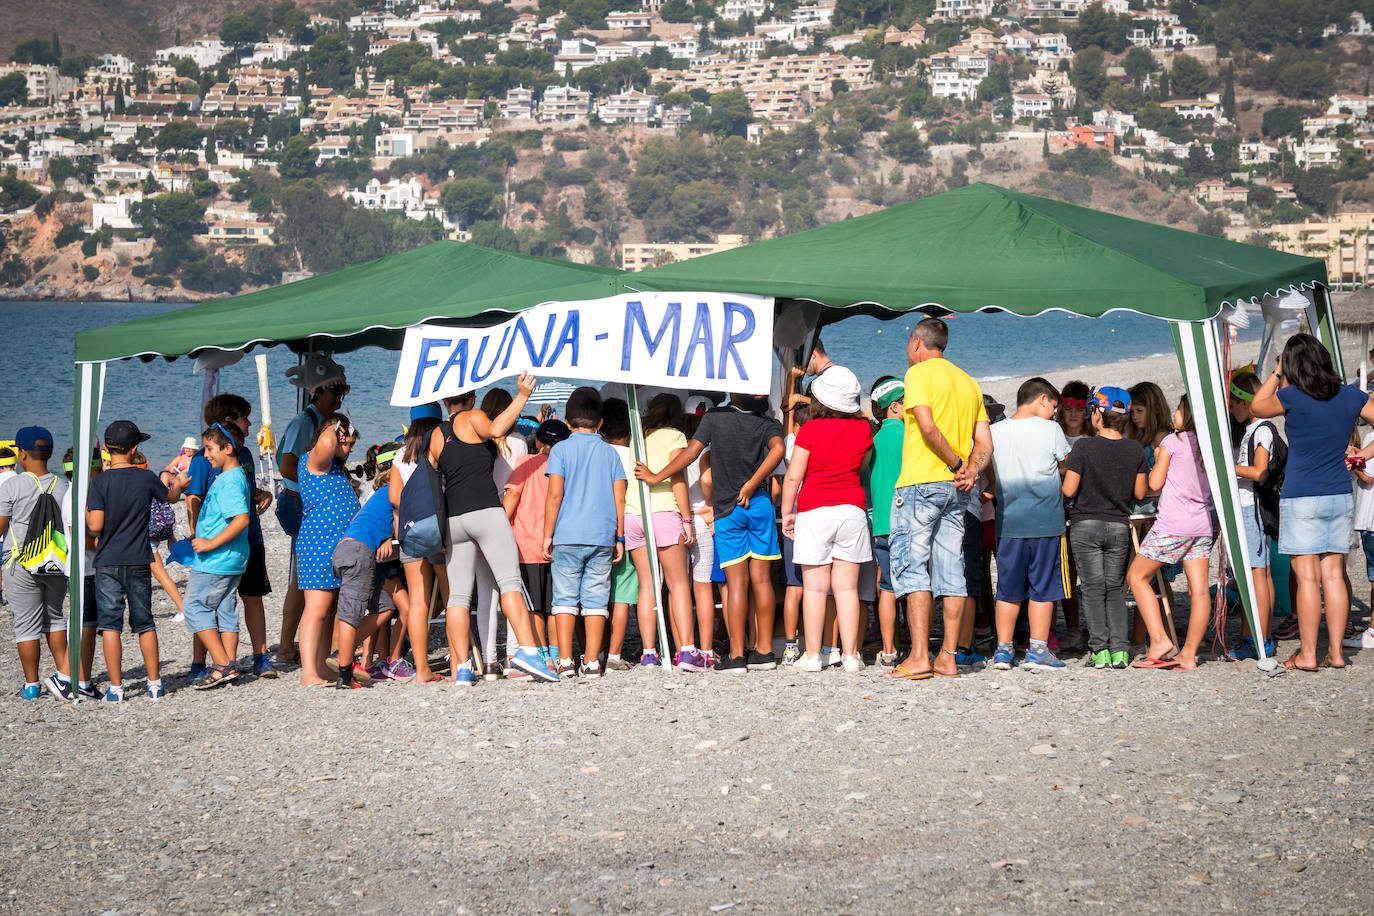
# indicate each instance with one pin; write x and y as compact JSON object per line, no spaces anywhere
{"x":1224,"y":789}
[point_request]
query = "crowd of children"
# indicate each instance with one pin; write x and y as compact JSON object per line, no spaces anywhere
{"x":1091,"y":496}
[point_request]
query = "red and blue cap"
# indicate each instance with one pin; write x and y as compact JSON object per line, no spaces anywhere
{"x":1116,"y":400}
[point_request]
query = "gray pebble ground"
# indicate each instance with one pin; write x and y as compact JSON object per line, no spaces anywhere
{"x":1102,"y":791}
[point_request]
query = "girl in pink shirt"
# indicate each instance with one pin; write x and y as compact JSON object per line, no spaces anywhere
{"x":1183,"y":531}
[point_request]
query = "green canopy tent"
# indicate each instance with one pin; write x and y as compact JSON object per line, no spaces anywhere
{"x":369,"y":304}
{"x":983,"y":247}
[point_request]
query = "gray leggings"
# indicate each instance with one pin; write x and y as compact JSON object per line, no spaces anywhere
{"x":489,"y":531}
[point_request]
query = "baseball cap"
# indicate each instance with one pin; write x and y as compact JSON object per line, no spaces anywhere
{"x":33,"y":439}
{"x":697,"y":404}
{"x":124,"y":434}
{"x":1108,"y":397}
{"x":551,"y":432}
{"x":995,"y":409}
{"x":426,"y":411}
{"x":893,"y":389}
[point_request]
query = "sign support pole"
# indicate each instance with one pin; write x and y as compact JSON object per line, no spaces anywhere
{"x":640,"y":454}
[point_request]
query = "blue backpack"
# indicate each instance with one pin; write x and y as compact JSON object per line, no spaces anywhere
{"x":421,"y":514}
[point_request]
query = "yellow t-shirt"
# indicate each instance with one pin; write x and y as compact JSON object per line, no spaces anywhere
{"x":955,"y":402}
{"x":659,"y":446}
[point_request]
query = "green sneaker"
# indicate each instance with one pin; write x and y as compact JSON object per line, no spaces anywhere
{"x":1102,"y":659}
{"x":1121,"y":659}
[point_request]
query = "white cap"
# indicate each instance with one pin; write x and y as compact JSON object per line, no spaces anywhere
{"x":190,"y":443}
{"x":698,"y":403}
{"x":838,"y":389}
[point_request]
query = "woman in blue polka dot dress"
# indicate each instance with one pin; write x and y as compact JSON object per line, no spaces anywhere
{"x":329,"y":504}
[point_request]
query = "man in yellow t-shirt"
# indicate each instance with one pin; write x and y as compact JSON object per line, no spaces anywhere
{"x":946,"y":443}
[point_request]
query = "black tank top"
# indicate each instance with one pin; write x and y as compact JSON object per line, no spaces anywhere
{"x":467,"y":467}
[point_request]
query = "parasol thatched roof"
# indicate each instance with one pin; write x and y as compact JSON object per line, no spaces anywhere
{"x":1355,"y":311}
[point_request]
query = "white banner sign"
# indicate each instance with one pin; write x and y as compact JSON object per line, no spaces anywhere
{"x":713,"y":341}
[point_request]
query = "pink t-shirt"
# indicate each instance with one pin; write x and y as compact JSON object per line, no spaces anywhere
{"x":1185,"y":502}
{"x":533,"y":485}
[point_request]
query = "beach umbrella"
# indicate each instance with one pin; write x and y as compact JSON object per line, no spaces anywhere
{"x":555,"y":393}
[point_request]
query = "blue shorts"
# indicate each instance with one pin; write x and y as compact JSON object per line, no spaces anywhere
{"x":884,"y":561}
{"x":925,"y":548}
{"x":1031,"y":568}
{"x":748,"y":533}
{"x":1367,"y":542}
{"x":1258,"y":557}
{"x":1316,"y":524}
{"x":211,"y":603}
{"x":581,"y":578}
{"x":973,"y":557}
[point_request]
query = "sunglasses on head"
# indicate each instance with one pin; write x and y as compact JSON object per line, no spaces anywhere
{"x":227,"y":434}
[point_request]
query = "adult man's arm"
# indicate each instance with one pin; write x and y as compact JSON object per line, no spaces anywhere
{"x":967,"y":475}
{"x":935,"y":440}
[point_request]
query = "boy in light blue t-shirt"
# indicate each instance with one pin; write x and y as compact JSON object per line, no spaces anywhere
{"x":587,"y":480}
{"x":221,"y":546}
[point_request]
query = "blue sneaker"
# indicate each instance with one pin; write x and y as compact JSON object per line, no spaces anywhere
{"x":197,"y":672}
{"x":464,"y":676}
{"x":263,"y":667}
{"x":966,"y":657}
{"x":1004,"y":659}
{"x":1245,"y":650}
{"x":1269,"y":648}
{"x":60,"y":690}
{"x":530,"y":662}
{"x":156,"y":693}
{"x":30,"y":691}
{"x":112,"y":697}
{"x":1041,"y":659}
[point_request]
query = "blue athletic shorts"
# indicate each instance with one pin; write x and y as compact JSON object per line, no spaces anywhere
{"x":750,"y":533}
{"x":1032,"y":568}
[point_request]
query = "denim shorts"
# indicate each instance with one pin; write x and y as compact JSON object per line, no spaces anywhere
{"x":1367,"y":542}
{"x":1258,"y":541}
{"x":880,"y":556}
{"x":581,"y":577}
{"x":211,"y":603}
{"x":290,"y":512}
{"x":117,"y":585}
{"x":926,"y":546}
{"x":1316,"y":524}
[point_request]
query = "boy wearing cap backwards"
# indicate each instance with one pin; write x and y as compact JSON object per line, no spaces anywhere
{"x":1027,"y":449}
{"x":117,"y":509}
{"x":880,"y":483}
{"x":1104,"y":473}
{"x":35,"y":601}
{"x":745,"y":447}
{"x":234,"y":414}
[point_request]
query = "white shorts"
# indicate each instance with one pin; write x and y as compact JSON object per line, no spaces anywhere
{"x":703,"y":550}
{"x":832,"y":533}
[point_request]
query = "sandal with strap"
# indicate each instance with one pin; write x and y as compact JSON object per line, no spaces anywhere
{"x":1292,"y":664}
{"x":214,"y":676}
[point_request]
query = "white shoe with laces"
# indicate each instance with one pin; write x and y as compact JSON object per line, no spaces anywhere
{"x":852,"y":664}
{"x":808,"y":663}
{"x":1363,"y":640}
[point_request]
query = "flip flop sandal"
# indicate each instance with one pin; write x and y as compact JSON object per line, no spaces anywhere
{"x":1158,"y":664}
{"x":1326,"y":663}
{"x":902,"y":673}
{"x":1292,"y":664}
{"x":942,"y":674}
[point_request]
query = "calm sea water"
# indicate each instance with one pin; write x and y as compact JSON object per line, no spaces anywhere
{"x":37,"y":347}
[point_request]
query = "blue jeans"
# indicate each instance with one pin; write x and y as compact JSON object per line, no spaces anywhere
{"x":581,"y":577}
{"x":116,"y":585}
{"x":210,"y":603}
{"x":926,"y":546}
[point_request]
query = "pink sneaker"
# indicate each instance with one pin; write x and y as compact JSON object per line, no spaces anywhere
{"x":690,"y":661}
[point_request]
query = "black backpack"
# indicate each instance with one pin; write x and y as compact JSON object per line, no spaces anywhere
{"x":1269,"y":488}
{"x":44,"y":551}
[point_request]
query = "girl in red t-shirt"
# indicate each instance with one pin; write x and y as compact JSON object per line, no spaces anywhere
{"x":827,"y":518}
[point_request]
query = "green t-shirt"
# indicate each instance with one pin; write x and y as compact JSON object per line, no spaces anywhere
{"x":882,"y":475}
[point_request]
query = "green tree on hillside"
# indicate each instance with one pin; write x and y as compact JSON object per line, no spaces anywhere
{"x":14,"y":89}
{"x":296,"y":159}
{"x":35,"y":51}
{"x":1089,"y":73}
{"x":1139,"y":63}
{"x":1189,"y":78}
{"x":1099,"y":28}
{"x":329,"y":62}
{"x":469,"y":199}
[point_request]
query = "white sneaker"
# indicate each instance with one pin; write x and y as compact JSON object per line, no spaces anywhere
{"x":179,"y":617}
{"x":1363,"y":640}
{"x":887,"y":662}
{"x":831,"y":658}
{"x":852,"y":663}
{"x":808,"y":663}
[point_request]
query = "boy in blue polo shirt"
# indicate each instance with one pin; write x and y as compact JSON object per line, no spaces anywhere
{"x":1027,"y":449}
{"x":584,"y":529}
{"x":745,"y":447}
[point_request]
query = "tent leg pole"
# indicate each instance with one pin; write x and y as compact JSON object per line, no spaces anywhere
{"x":90,"y":382}
{"x":640,"y":454}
